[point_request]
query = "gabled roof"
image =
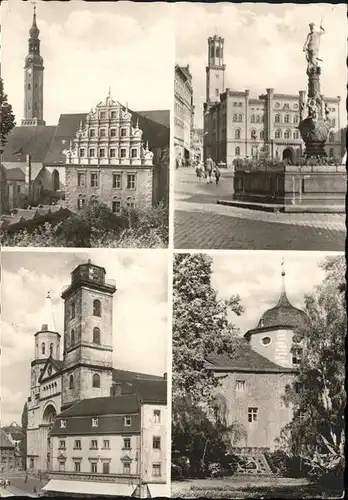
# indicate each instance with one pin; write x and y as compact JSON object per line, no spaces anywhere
{"x":93,"y":407}
{"x":161,"y":116}
{"x":244,"y":359}
{"x":151,"y":391}
{"x":57,"y":364}
{"x":15,"y":174}
{"x":65,"y":132}
{"x":23,"y":141}
{"x":128,"y":376}
{"x":155,"y":127}
{"x":36,"y":168}
{"x":16,"y":432}
{"x":4,"y":440}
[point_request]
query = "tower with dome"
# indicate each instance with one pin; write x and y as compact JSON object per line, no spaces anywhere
{"x":265,"y":361}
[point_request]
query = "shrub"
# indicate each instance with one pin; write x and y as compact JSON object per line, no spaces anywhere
{"x":288,"y":466}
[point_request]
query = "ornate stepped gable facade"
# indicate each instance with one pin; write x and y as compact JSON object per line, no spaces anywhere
{"x":265,"y":361}
{"x":84,"y":387}
{"x":107,"y":161}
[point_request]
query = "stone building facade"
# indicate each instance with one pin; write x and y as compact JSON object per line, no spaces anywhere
{"x":238,"y":125}
{"x":183,"y":111}
{"x":108,"y":162}
{"x":265,"y":362}
{"x":84,"y":386}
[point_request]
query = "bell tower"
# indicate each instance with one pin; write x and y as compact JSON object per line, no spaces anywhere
{"x":215,"y":80}
{"x":87,"y":335}
{"x":33,"y":79}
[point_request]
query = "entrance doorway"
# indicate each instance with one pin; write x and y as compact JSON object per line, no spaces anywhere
{"x":288,"y":155}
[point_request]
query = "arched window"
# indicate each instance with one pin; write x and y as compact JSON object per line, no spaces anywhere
{"x":72,"y":337}
{"x":277,"y":118}
{"x":96,"y":380}
{"x":237,"y":151}
{"x":252,"y":119}
{"x":295,"y":135}
{"x":96,"y":335}
{"x":55,"y":180}
{"x":258,"y":119}
{"x":212,"y":51}
{"x":278,"y":134}
{"x":262,"y":135}
{"x":96,"y":308}
{"x":253,"y":134}
{"x":237,"y":134}
{"x":240,"y":118}
{"x":295,"y":119}
{"x":43,"y":348}
{"x":72,"y":310}
{"x":331,"y":137}
{"x":333,"y":122}
{"x":51,"y":349}
{"x":235,"y":117}
{"x":71,"y":382}
{"x":286,"y":118}
{"x":287,"y":134}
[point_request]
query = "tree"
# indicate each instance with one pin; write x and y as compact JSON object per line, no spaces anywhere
{"x":318,"y":393}
{"x":7,"y":122}
{"x":201,"y":327}
{"x":23,"y":443}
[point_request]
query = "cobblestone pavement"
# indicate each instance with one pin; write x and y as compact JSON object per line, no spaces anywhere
{"x":20,"y":487}
{"x":201,"y":223}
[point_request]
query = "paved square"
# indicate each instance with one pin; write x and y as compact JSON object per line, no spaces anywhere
{"x":199,"y":223}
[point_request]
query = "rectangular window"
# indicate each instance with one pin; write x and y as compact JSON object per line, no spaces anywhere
{"x":126,"y":468}
{"x":116,"y":181}
{"x":131,"y":181}
{"x":127,"y":421}
{"x":134,"y":152}
{"x":156,"y":470}
{"x":102,"y":114}
{"x":157,"y":416}
{"x":94,"y":444}
{"x":94,"y":468}
{"x":72,"y":316}
{"x":77,"y":466}
{"x":113,"y":114}
{"x":123,"y":152}
{"x":102,"y":152}
{"x":82,"y":152}
{"x":116,"y":207}
{"x":240,"y":385}
{"x":127,"y":443}
{"x":81,"y":203}
{"x":106,"y":468}
{"x":112,"y":153}
{"x":156,"y":443}
{"x":62,"y":444}
{"x":18,"y":189}
{"x":94,"y":180}
{"x":296,"y":356}
{"x":92,"y":152}
{"x":94,"y":422}
{"x":252,"y":414}
{"x":81,"y":179}
{"x":61,"y":466}
{"x":130,"y":204}
{"x":123,"y":132}
{"x":102,"y":132}
{"x":106,"y":444}
{"x":91,"y":132}
{"x":77,"y":444}
{"x":113,"y":132}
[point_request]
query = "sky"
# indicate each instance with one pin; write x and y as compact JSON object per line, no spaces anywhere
{"x":258,"y":280}
{"x":88,"y":47}
{"x":263,"y":46}
{"x":140,"y":310}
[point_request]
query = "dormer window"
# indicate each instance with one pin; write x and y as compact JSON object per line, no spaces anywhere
{"x":127,"y":421}
{"x":63,"y":424}
{"x":94,"y":422}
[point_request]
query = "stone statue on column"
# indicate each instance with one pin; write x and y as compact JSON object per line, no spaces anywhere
{"x":311,"y":47}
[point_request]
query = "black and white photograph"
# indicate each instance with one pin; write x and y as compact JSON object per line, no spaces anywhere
{"x":84,"y":344}
{"x":86,"y":91}
{"x":260,"y":126}
{"x":258,"y":394}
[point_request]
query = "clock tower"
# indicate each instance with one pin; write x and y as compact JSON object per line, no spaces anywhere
{"x":215,"y":80}
{"x":33,"y":79}
{"x":87,"y":335}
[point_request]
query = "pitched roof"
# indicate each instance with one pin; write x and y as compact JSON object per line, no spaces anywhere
{"x":28,"y":140}
{"x":65,"y":131}
{"x":15,"y":431}
{"x":4,"y":440}
{"x":244,"y":359}
{"x":116,"y":405}
{"x":155,"y":127}
{"x":107,"y":424}
{"x":15,"y":174}
{"x":161,"y":116}
{"x":151,"y":391}
{"x":36,"y":167}
{"x":128,"y":376}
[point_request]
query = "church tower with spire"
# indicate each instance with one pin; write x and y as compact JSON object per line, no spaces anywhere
{"x":33,"y":79}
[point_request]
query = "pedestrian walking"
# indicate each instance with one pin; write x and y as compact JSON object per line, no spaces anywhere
{"x":178,"y":161}
{"x":217,"y":174}
{"x":209,"y":169}
{"x":26,"y":477}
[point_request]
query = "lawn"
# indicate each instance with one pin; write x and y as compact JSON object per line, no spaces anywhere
{"x":250,"y":487}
